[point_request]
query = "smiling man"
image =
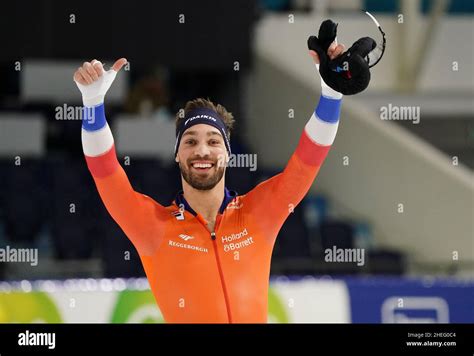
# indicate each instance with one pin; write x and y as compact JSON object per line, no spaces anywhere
{"x":207,"y":255}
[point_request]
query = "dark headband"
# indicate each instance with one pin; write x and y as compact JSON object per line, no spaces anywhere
{"x":201,"y":116}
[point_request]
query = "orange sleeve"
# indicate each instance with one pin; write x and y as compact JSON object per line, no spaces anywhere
{"x":271,"y":202}
{"x":138,"y":215}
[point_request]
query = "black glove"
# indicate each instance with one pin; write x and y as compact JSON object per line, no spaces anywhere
{"x":349,"y":73}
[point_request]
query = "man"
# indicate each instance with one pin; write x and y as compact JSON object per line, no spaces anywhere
{"x":207,"y":255}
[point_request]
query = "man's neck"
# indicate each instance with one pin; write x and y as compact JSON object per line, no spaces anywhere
{"x":205,"y":202}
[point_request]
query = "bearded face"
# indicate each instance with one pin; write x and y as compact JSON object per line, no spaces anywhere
{"x":200,"y":157}
{"x":202,"y":174}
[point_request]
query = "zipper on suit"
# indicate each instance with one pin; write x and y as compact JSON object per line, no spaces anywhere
{"x":218,"y":262}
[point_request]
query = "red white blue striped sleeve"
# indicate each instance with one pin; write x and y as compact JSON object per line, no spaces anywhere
{"x":98,"y":142}
{"x":281,"y":193}
{"x":320,"y":131}
{"x":134,"y":212}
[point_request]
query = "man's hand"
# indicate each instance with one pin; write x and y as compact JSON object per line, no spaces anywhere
{"x":93,"y":81}
{"x":334,"y":51}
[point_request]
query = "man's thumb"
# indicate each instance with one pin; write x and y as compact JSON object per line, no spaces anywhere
{"x":119,"y":63}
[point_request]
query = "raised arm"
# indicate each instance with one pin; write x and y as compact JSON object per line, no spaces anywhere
{"x":134,"y":212}
{"x":280,"y":194}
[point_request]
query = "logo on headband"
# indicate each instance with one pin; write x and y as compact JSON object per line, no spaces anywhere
{"x":204,"y":116}
{"x":199,"y":117}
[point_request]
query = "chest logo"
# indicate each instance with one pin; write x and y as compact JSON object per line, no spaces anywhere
{"x":178,"y":214}
{"x":186,"y":237}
